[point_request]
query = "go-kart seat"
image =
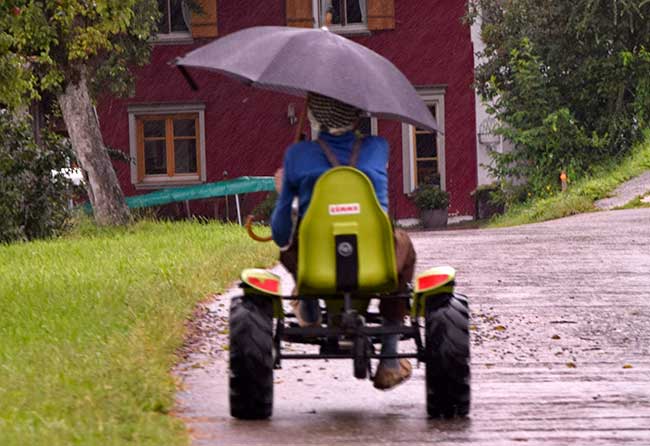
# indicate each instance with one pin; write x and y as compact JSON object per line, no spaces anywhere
{"x":345,"y":239}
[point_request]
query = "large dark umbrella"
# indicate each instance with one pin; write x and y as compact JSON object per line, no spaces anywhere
{"x":298,"y":60}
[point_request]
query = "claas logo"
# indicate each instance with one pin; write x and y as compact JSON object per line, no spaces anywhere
{"x":345,"y":209}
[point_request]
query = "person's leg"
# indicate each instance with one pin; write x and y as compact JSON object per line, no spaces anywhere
{"x":393,"y":371}
{"x":307,"y":311}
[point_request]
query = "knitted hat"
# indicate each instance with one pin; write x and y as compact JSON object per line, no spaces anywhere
{"x":331,"y":115}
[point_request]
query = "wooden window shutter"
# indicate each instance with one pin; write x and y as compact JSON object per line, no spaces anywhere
{"x":381,"y":14}
{"x":205,"y":25}
{"x":299,"y":13}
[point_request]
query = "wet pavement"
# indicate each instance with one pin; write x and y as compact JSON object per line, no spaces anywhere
{"x":560,"y":350}
{"x":626,"y":192}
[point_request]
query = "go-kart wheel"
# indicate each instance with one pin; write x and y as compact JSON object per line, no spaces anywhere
{"x":447,"y":347}
{"x":251,"y":358}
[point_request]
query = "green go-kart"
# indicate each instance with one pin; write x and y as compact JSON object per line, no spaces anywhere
{"x":346,"y":256}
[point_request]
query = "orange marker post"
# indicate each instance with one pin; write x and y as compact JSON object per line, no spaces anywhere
{"x":563,"y":180}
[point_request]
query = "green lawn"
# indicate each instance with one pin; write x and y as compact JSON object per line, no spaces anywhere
{"x":89,"y":326}
{"x":581,"y":195}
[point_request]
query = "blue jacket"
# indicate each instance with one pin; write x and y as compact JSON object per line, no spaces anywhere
{"x":305,"y":161}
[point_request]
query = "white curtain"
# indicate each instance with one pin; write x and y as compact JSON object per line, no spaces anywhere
{"x":363,"y":5}
{"x":187,"y":15}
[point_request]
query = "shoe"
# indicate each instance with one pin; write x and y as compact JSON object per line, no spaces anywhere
{"x":387,"y":378}
{"x":300,"y":312}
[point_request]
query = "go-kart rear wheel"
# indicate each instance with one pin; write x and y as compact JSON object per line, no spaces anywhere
{"x":447,"y":346}
{"x":251,"y":358}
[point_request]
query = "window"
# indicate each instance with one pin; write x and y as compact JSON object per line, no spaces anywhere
{"x":167,"y":144}
{"x":174,"y":22}
{"x":425,"y":146}
{"x":367,"y":126}
{"x":423,"y":151}
{"x":342,"y":15}
{"x":175,"y":17}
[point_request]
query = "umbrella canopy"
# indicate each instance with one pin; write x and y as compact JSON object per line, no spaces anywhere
{"x":298,"y":60}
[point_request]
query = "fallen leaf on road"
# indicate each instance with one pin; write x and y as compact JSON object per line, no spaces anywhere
{"x":555,"y":337}
{"x":571,"y":365}
{"x":473,"y":327}
{"x":627,"y":366}
{"x":500,"y":328}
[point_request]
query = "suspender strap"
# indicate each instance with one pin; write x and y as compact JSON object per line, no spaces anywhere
{"x":328,"y":153}
{"x":354,"y":156}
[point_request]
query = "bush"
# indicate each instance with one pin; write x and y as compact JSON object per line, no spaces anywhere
{"x":569,"y":83}
{"x":33,"y":199}
{"x":263,"y":211}
{"x":430,"y":197}
{"x":488,"y":200}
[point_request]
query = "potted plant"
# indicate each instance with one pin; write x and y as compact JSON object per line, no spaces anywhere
{"x":433,"y":203}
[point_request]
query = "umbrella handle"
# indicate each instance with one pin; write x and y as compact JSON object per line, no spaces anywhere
{"x":249,"y":229}
{"x":250,"y":218}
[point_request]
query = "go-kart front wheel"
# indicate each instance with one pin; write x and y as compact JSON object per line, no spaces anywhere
{"x":447,"y":366}
{"x":251,"y":358}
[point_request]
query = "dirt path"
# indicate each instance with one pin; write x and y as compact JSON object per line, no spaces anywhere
{"x":560,"y":350}
{"x":626,"y":192}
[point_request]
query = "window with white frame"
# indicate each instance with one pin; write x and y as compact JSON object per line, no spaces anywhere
{"x":167,"y":144}
{"x":423,"y":151}
{"x":367,"y":126}
{"x":342,"y":15}
{"x":175,"y":20}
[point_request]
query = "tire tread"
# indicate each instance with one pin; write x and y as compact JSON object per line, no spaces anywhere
{"x":251,"y":358}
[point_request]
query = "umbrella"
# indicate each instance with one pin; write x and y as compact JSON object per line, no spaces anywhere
{"x":299,"y":60}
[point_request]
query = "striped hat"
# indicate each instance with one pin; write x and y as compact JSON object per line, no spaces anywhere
{"x":331,"y":115}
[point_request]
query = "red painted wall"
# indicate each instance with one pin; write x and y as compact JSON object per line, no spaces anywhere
{"x":247,"y":130}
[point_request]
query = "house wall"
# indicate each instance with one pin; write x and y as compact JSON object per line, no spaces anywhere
{"x":483,"y":119}
{"x":247,"y":130}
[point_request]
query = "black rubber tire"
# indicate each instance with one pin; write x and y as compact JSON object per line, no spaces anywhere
{"x":448,"y":350}
{"x":251,"y":358}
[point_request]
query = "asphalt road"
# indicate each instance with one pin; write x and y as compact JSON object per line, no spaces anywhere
{"x":560,"y":350}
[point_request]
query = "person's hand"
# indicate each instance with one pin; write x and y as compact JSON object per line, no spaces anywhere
{"x":279,"y":177}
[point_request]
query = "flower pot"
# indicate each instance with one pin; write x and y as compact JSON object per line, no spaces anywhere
{"x":434,"y":218}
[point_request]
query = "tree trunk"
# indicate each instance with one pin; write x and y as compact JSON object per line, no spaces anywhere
{"x":103,"y":188}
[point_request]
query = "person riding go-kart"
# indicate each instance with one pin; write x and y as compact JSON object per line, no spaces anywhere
{"x":344,"y":251}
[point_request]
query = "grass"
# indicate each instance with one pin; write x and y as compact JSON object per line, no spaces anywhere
{"x":90,"y":323}
{"x":581,"y":195}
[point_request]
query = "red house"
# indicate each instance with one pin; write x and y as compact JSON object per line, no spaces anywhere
{"x":177,"y":136}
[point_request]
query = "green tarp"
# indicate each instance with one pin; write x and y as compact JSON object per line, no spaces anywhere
{"x":236,"y":186}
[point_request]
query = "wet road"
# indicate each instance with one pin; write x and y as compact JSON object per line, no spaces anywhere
{"x":560,"y":350}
